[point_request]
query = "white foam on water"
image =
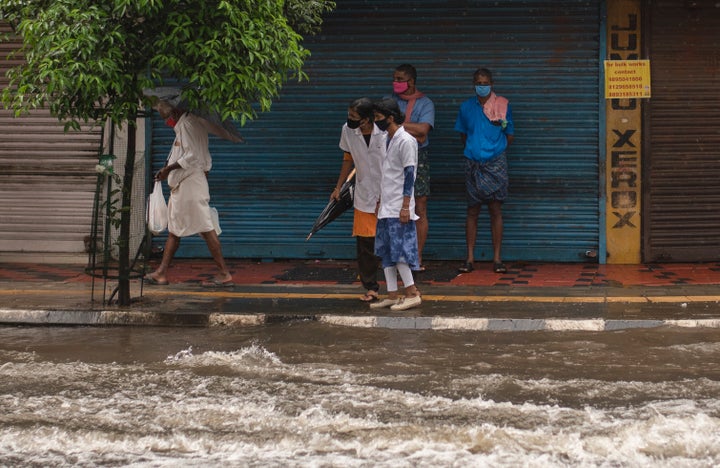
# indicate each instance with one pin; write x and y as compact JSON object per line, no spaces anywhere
{"x":248,"y":408}
{"x":697,"y":348}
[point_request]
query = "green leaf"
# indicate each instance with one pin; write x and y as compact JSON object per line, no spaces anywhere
{"x":80,"y":54}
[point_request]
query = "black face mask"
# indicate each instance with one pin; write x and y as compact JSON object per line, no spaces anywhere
{"x":382,"y":124}
{"x":353,"y":123}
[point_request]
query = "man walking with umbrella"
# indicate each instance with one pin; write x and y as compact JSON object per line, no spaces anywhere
{"x":363,"y":145}
{"x":189,"y":204}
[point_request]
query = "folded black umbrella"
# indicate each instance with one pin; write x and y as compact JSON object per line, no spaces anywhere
{"x":334,"y":207}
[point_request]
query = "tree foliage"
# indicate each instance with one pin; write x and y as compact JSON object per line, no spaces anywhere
{"x":90,"y":60}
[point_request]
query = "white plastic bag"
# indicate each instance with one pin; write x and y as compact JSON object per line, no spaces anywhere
{"x":215,"y":220}
{"x":157,"y":210}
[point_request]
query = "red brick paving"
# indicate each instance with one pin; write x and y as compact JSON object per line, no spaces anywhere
{"x":306,"y":271}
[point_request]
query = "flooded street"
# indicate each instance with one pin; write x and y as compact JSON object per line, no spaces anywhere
{"x":312,"y":394}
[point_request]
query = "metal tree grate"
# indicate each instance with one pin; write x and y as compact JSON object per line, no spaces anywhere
{"x":104,"y":240}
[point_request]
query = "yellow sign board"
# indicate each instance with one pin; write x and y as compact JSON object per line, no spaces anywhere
{"x":627,"y":79}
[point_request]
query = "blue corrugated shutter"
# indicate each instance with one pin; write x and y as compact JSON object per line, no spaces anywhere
{"x":545,"y":59}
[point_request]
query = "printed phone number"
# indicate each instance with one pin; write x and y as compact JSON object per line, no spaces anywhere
{"x":625,"y":94}
{"x":625,"y":86}
{"x":625,"y":78}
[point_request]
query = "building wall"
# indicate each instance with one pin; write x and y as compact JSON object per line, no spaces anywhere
{"x":546,"y":59}
{"x":591,"y":179}
{"x":682,"y":133}
{"x":47,"y":181}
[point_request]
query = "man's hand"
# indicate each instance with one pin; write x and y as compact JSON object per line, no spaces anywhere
{"x":335,"y":195}
{"x":163,"y":173}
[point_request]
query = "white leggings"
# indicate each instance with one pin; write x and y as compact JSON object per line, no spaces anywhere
{"x":391,"y":276}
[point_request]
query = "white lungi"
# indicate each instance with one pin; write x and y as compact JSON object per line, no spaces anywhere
{"x":189,"y":206}
{"x":189,"y":203}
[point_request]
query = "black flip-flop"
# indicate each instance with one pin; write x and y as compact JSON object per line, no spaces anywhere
{"x":499,"y":267}
{"x":466,"y":268}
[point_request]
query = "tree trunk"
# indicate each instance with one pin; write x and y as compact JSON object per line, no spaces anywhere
{"x":125,"y":218}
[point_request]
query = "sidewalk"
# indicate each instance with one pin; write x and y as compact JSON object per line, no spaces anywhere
{"x":531,"y":296}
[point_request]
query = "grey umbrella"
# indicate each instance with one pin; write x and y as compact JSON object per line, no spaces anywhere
{"x":213,"y":123}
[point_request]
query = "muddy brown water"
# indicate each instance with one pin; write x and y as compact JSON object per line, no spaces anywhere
{"x":311,"y":394}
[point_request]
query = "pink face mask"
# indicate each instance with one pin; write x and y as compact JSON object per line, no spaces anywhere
{"x":400,"y":87}
{"x":170,"y":122}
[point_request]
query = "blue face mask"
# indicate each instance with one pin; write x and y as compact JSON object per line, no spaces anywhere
{"x":483,"y":90}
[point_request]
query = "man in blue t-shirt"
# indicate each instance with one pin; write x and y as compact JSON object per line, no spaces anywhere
{"x":486,"y":129}
{"x":419,"y":113}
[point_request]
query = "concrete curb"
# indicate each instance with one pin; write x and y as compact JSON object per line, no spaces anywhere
{"x":510,"y":324}
{"x":136,"y":318}
{"x":132,"y":318}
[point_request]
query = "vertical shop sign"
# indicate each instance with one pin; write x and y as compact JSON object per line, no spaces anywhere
{"x":623,"y":137}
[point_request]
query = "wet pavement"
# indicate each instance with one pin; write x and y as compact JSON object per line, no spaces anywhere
{"x":530,"y":296}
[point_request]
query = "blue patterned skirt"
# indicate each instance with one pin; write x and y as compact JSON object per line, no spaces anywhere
{"x":486,"y":180}
{"x":396,"y":242}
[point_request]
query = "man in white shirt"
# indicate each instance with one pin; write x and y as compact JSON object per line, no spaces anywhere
{"x":189,"y":204}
